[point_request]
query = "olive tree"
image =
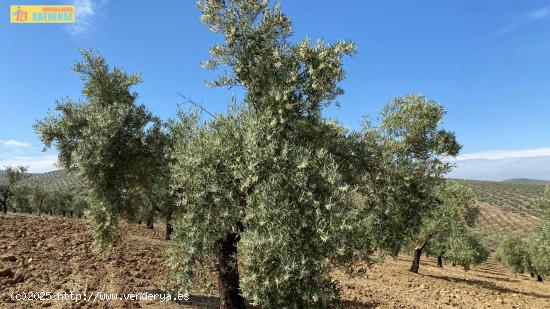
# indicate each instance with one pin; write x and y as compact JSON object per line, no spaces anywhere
{"x":513,"y":253}
{"x":60,"y":201}
{"x":464,"y":244}
{"x":539,"y":250}
{"x":37,"y":199}
{"x":79,"y":206}
{"x":264,"y":198}
{"x":446,"y":227}
{"x":8,"y":186}
{"x":274,"y":220}
{"x":466,"y":248}
{"x":529,"y":253}
{"x":399,"y":164}
{"x":20,"y":199}
{"x":544,"y":204}
{"x":539,"y":245}
{"x":157,"y":181}
{"x":105,"y":141}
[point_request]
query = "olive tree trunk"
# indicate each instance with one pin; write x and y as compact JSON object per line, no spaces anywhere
{"x":228,"y":273}
{"x":418,"y":253}
{"x":539,"y":278}
{"x":169,"y":226}
{"x":150,"y":224}
{"x":440,"y":261}
{"x":416,"y":260}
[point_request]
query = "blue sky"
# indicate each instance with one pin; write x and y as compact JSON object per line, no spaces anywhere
{"x":486,"y":61}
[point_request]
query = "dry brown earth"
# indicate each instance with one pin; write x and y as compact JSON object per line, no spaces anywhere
{"x":47,"y":254}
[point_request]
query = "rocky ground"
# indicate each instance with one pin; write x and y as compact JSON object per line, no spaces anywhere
{"x":41,"y":255}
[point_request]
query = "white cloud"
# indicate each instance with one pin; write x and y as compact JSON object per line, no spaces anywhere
{"x":540,"y":13}
{"x":501,"y":164}
{"x":86,"y":12}
{"x":36,"y":164}
{"x":20,"y":153}
{"x":12,"y":144}
{"x":505,"y":154}
{"x":519,"y":21}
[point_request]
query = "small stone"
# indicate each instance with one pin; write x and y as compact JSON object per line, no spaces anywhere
{"x":6,"y":273}
{"x":19,"y":277}
{"x":9,"y":282}
{"x":8,"y":258}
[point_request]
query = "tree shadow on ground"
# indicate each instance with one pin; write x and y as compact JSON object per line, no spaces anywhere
{"x":487,"y":285}
{"x":208,"y":302}
{"x":487,"y":271}
{"x":360,"y":305}
{"x":498,"y":278}
{"x":204,"y":301}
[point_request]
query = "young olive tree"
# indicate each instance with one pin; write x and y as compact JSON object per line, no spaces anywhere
{"x":8,"y":186}
{"x":59,"y":202}
{"x":544,"y":204}
{"x":466,"y":249}
{"x":37,"y":199}
{"x":20,"y":199}
{"x":158,"y":195}
{"x":464,"y":245}
{"x":79,"y":206}
{"x":447,"y":229}
{"x":521,"y":253}
{"x":539,"y":249}
{"x":513,"y":253}
{"x":105,"y":141}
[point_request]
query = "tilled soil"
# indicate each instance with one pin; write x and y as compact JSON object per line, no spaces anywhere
{"x":55,"y":255}
{"x":47,"y":254}
{"x":391,"y":285}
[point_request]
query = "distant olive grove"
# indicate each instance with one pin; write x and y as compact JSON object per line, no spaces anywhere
{"x":21,"y":192}
{"x":270,"y":194}
{"x":55,"y":193}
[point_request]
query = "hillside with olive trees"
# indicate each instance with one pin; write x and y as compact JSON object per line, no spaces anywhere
{"x":52,"y":181}
{"x":507,"y":206}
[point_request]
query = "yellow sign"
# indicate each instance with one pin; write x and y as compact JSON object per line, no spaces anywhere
{"x":51,"y":14}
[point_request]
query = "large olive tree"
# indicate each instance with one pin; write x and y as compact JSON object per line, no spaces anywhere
{"x":264,"y":197}
{"x":299,"y":186}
